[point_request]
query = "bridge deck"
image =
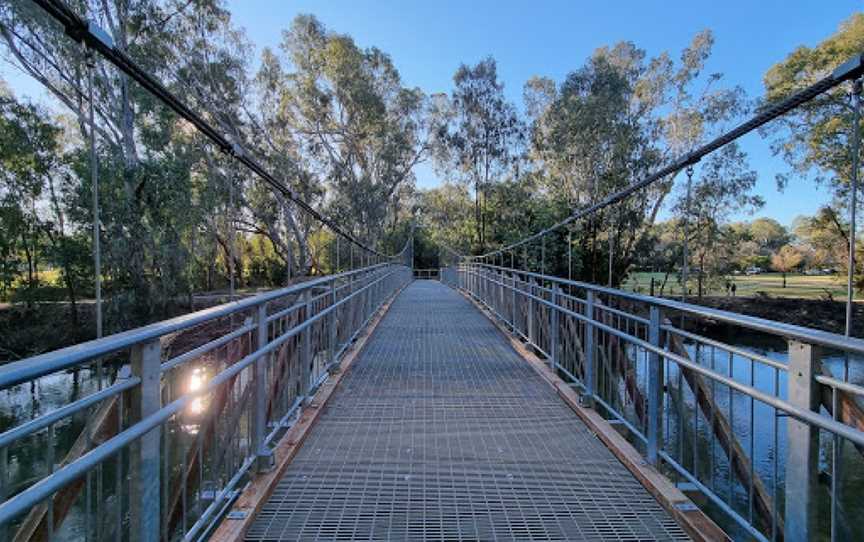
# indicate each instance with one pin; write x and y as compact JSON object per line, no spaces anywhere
{"x":441,"y":432}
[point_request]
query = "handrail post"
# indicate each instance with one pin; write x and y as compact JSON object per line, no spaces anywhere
{"x":263,"y":456}
{"x":590,"y":338}
{"x":477,"y":281}
{"x":802,"y":451}
{"x":144,"y":471}
{"x":334,"y":338}
{"x":306,"y":348}
{"x":474,"y":280}
{"x":487,"y":287}
{"x":553,"y":329}
{"x":531,"y":311}
{"x":655,"y":388}
{"x":499,"y":277}
{"x":513,"y":304}
{"x":364,"y":299}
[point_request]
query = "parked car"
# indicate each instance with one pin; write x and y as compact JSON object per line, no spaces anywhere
{"x":819,"y":272}
{"x":753,"y":270}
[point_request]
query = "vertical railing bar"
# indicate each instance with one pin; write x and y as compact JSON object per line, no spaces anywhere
{"x":184,"y":484}
{"x":590,"y":339}
{"x":655,"y":387}
{"x":835,"y":458}
{"x":711,"y":429}
{"x":88,"y":480}
{"x":730,"y":480}
{"x":264,"y":457}
{"x":682,"y":409}
{"x":305,"y":346}
{"x":144,"y":466}
{"x":199,"y":441}
{"x":166,"y":480}
{"x":334,"y":343}
{"x":531,"y":331}
{"x":667,"y":397}
{"x":750,"y":494}
{"x":696,"y":419}
{"x":802,"y":452}
{"x":118,"y":476}
{"x":776,"y":444}
{"x":4,"y":486}
{"x":49,"y":522}
{"x":553,"y":329}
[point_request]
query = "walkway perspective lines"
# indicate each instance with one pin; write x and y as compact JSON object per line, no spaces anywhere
{"x":441,"y":432}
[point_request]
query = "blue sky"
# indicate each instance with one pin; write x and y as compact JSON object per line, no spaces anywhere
{"x":428,"y":40}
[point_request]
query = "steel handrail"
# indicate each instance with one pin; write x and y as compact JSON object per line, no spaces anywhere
{"x":791,"y":331}
{"x":46,"y":487}
{"x":806,"y":416}
{"x":28,"y":428}
{"x":27,"y":369}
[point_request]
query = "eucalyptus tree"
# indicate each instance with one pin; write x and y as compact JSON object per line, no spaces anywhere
{"x":769,"y":234}
{"x":34,"y":187}
{"x":352,"y":124}
{"x":146,"y":156}
{"x":722,"y":187}
{"x":447,"y":212}
{"x":27,"y":156}
{"x":615,"y":120}
{"x":815,"y":138}
{"x":592,"y":135}
{"x":481,"y":141}
{"x":166,"y":193}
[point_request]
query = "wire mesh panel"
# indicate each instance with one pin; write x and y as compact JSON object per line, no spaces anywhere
{"x":441,"y":432}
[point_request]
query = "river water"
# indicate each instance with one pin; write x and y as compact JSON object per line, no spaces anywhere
{"x":761,"y":432}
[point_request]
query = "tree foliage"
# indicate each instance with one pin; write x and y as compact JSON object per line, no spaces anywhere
{"x":337,"y":125}
{"x":815,"y":137}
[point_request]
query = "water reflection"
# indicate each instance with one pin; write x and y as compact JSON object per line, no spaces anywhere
{"x":197,"y":408}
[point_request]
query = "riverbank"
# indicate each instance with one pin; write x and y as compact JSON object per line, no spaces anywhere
{"x":815,"y":313}
{"x":48,"y":325}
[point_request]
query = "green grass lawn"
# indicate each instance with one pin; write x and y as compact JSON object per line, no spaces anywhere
{"x":797,"y":285}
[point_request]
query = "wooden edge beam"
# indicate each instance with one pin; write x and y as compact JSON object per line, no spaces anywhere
{"x":242,"y":513}
{"x":695,"y":522}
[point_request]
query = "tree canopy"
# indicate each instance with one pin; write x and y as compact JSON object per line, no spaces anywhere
{"x":338,"y":126}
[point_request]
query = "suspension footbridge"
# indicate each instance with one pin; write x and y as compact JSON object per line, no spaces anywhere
{"x":490,"y":398}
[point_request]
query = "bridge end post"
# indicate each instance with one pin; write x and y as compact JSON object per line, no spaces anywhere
{"x":144,"y":472}
{"x":802,"y":452}
{"x":655,"y":388}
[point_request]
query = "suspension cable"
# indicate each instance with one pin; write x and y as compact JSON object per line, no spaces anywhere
{"x":851,"y":69}
{"x":685,"y":264}
{"x":97,"y":40}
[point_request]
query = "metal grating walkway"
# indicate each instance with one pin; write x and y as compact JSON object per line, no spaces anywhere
{"x":441,"y":432}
